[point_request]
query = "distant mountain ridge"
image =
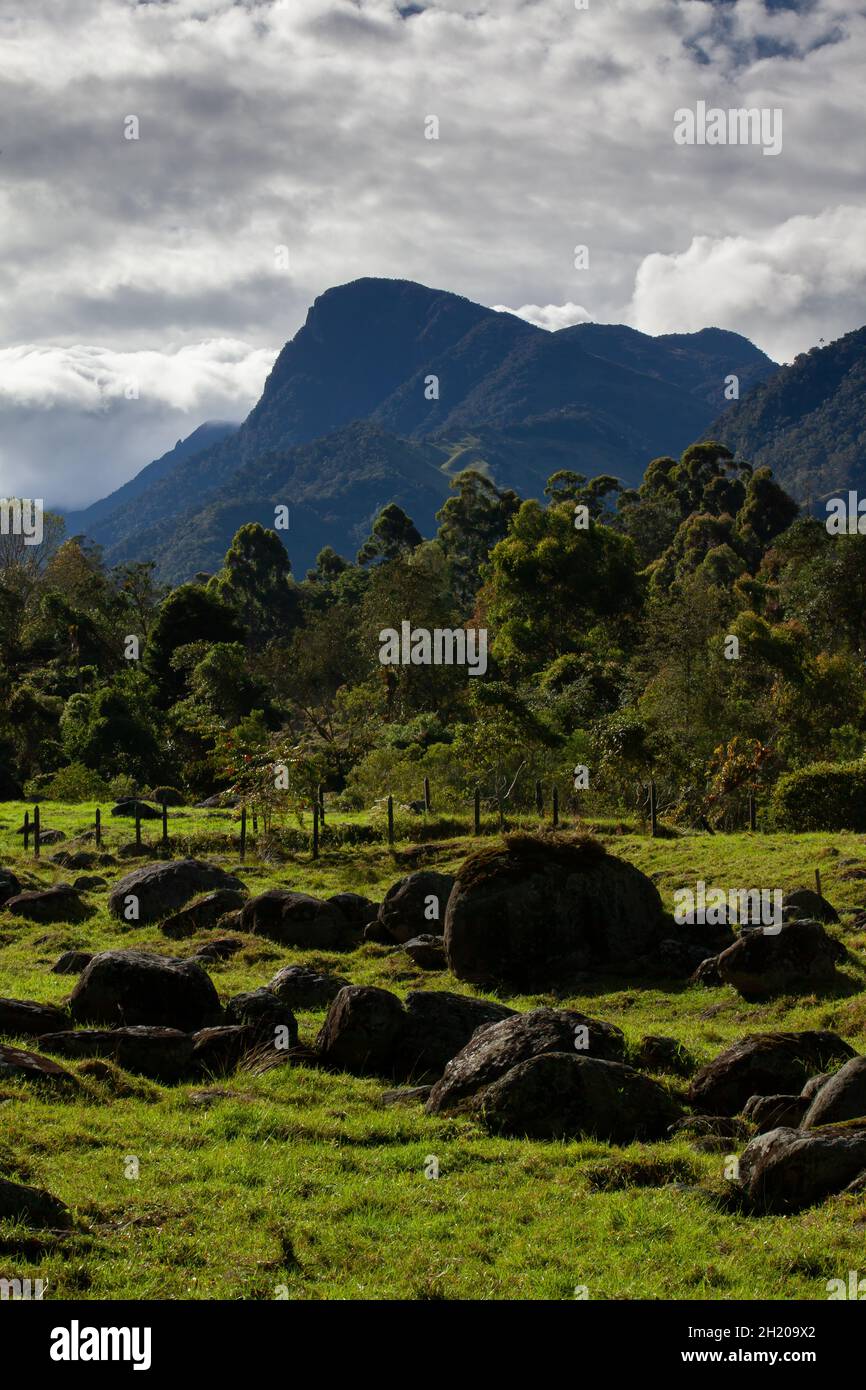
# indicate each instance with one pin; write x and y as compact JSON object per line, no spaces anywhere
{"x":807,"y":422}
{"x":441,"y":384}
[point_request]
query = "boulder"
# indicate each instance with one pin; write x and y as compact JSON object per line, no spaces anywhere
{"x":713,"y":1133}
{"x":220,"y":1050}
{"x":764,"y":1064}
{"x":361,"y":1030}
{"x":75,"y":859}
{"x":71,"y":963}
{"x":437,"y":1026}
{"x":301,"y":987}
{"x":264,"y":1013}
{"x":413,"y":903}
{"x":51,"y":837}
{"x":16,"y":1065}
{"x":133,"y":987}
{"x":9,"y":886}
{"x":21,"y":1018}
{"x":221,"y":948}
{"x":31,"y":1205}
{"x":404,"y":1095}
{"x":85,"y":883}
{"x":58,"y":904}
{"x":427,"y":952}
{"x":167,"y":796}
{"x":357,"y":910}
{"x":545,"y":906}
{"x":563,"y":1095}
{"x":707,"y":974}
{"x":495,"y":1049}
{"x":788,"y":1169}
{"x":203,"y":912}
{"x":162,"y":886}
{"x":129,"y":805}
{"x":296,"y":919}
{"x":814,"y":1084}
{"x":769,"y":1112}
{"x":842,"y":1097}
{"x":375,"y":931}
{"x":163,"y":1054}
{"x":657,"y":1053}
{"x":805,"y":902}
{"x":801,"y":954}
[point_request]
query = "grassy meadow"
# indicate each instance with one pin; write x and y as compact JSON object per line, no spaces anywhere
{"x":293,"y":1182}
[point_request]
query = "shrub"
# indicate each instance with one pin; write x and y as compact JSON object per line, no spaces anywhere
{"x":72,"y":784}
{"x":822,"y":796}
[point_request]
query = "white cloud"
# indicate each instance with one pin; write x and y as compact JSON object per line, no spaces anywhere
{"x":785,"y":288}
{"x":549,"y":316}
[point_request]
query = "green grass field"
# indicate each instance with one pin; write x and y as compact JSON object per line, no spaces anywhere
{"x":297,"y":1183}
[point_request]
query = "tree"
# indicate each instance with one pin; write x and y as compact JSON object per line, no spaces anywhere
{"x":189,"y":614}
{"x":471,"y":521}
{"x":393,"y":535}
{"x":255,"y":582}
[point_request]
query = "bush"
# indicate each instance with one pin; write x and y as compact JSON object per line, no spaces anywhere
{"x":823,"y":796}
{"x":72,"y":784}
{"x":170,"y":796}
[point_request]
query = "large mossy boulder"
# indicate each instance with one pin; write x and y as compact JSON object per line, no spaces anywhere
{"x":799,"y":955}
{"x":764,"y":1064}
{"x":127,"y":988}
{"x":297,"y":919}
{"x":540,"y":907}
{"x":152,"y":892}
{"x":787,"y":1169}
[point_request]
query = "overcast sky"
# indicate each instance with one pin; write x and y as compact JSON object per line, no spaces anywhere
{"x":151,"y":264}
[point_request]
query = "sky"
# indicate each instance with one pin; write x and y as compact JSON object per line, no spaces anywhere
{"x":146,"y":284}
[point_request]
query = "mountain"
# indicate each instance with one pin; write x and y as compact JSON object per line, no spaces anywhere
{"x":807,"y":422}
{"x":508,"y":397}
{"x":211,"y":432}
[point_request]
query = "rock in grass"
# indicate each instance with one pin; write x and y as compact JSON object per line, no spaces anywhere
{"x":361,"y":1031}
{"x":769,"y":1112}
{"x":498,"y":1047}
{"x":842,"y":1097}
{"x":427,"y":952}
{"x":764,"y":1064}
{"x":546,"y":906}
{"x":413,"y":903}
{"x":161,"y":887}
{"x":17,"y":1065}
{"x":71,"y":963}
{"x":128,"y":988}
{"x":129,"y":806}
{"x":32,"y":1205}
{"x":301,"y":987}
{"x":658,"y":1053}
{"x":801,"y":954}
{"x":22,"y":1018}
{"x":263,"y":1012}
{"x":163,"y":1054}
{"x":297,"y":919}
{"x":203,"y":912}
{"x":788,"y":1169}
{"x":561,"y":1095}
{"x":805,"y":902}
{"x":356,"y":909}
{"x":58,"y":904}
{"x":9,"y":886}
{"x":437,"y":1026}
{"x":220,"y":1050}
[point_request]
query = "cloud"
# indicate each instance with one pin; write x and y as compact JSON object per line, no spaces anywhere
{"x":550,"y":316}
{"x":301,"y":123}
{"x":805,"y":278}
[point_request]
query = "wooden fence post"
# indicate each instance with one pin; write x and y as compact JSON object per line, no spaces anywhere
{"x":165,"y":824}
{"x":315,"y":829}
{"x":243,"y":831}
{"x":654,"y":821}
{"x":321,"y":794}
{"x":26,"y":831}
{"x":36,"y":829}
{"x":477,"y":810}
{"x":555,"y":807}
{"x":427,"y":806}
{"x":98,"y":835}
{"x":539,"y":799}
{"x":390,"y":820}
{"x":138,"y":824}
